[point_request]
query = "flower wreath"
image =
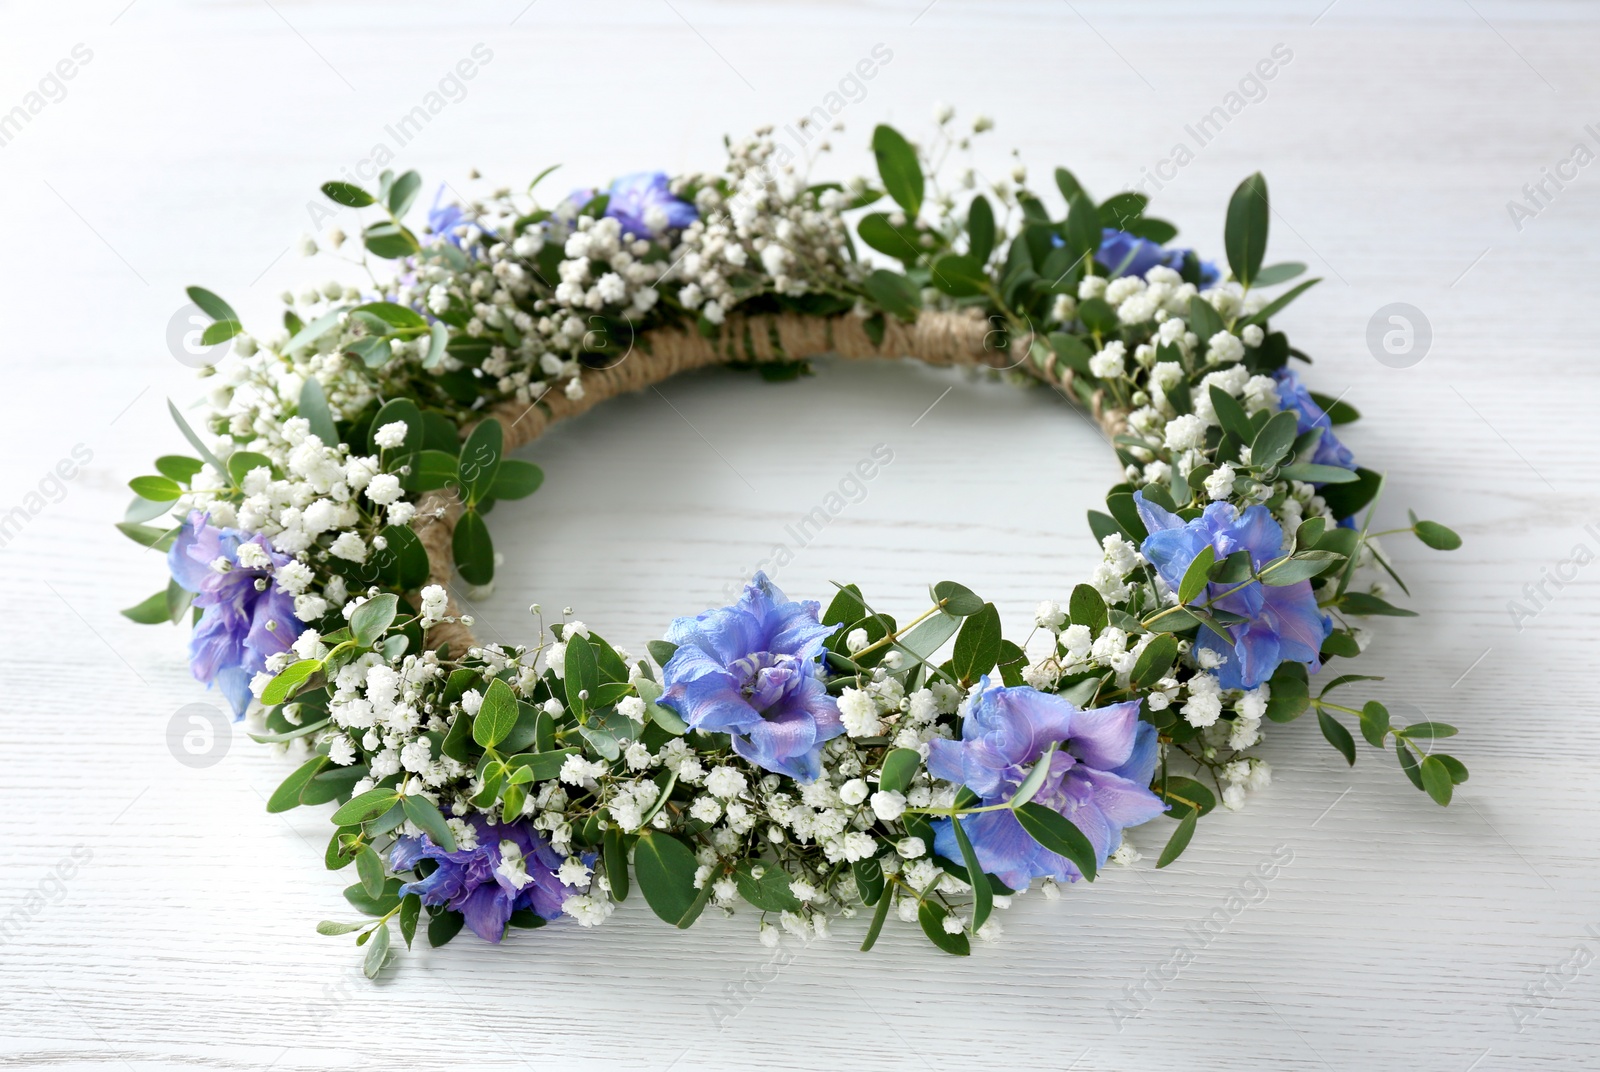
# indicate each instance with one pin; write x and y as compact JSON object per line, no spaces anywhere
{"x":811,"y":762}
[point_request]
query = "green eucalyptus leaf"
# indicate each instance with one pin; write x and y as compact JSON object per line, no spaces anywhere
{"x":1060,"y":835}
{"x":1436,"y":780}
{"x":977,"y":648}
{"x":1436,"y":536}
{"x":497,"y":714}
{"x":473,"y":549}
{"x":1179,"y":840}
{"x":982,"y":892}
{"x":314,"y":408}
{"x":370,"y":619}
{"x":347,"y":193}
{"x":480,"y":459}
{"x":932,"y":915}
{"x":427,"y":816}
{"x":899,"y":168}
{"x":665,"y":868}
{"x":1245,"y":235}
{"x":1337,"y":736}
{"x":900,"y":765}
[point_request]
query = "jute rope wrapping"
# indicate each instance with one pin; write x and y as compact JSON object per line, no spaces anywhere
{"x":937,"y":338}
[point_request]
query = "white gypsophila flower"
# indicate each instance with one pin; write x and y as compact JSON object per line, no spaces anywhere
{"x":888,"y":804}
{"x":725,"y":783}
{"x":1244,"y":733}
{"x":1219,"y":485}
{"x":859,"y":713}
{"x":587,"y":909}
{"x":349,"y":546}
{"x":1049,"y":615}
{"x":342,"y":751}
{"x":1185,"y":432}
{"x":1253,"y":704}
{"x":854,"y":791}
{"x":466,"y":834}
{"x":391,"y":435}
{"x":574,"y":872}
{"x":1121,"y":555}
{"x":576,"y":770}
{"x":512,"y":865}
{"x":1224,"y":347}
{"x":308,"y":645}
{"x":1109,"y":362}
{"x":383,"y":489}
{"x":1163,"y":378}
{"x":1260,"y":395}
{"x":294,"y":577}
{"x":1125,"y":855}
{"x":706,"y":810}
{"x":435,"y":602}
{"x":1205,"y":702}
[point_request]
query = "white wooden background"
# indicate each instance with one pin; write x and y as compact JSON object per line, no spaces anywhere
{"x":1401,"y":935}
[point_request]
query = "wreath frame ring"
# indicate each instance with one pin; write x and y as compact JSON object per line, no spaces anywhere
{"x":806,"y":763}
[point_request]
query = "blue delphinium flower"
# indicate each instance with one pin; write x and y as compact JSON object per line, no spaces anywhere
{"x":1099,"y":777}
{"x":487,"y":882}
{"x":751,"y":670}
{"x":1128,"y":254}
{"x":643,"y":203}
{"x":241,"y":624}
{"x":1293,"y":396}
{"x":444,"y":218}
{"x":1283,"y":621}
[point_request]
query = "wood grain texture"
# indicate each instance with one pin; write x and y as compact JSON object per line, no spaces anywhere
{"x":1399,"y":936}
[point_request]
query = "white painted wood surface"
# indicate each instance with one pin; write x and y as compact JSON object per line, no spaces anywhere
{"x":1400,"y":935}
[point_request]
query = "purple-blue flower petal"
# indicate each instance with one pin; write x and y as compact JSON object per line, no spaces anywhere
{"x":1293,"y":396}
{"x":467,"y":881}
{"x":1103,"y":737}
{"x":751,"y":670}
{"x":232,"y":640}
{"x":633,"y":197}
{"x":1005,"y":732}
{"x":1282,"y":622}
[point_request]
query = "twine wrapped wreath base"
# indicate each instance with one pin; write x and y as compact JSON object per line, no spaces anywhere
{"x":936,"y":338}
{"x":820,"y":766}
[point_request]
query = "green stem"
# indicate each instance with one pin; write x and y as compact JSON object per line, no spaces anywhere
{"x":855,"y":656}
